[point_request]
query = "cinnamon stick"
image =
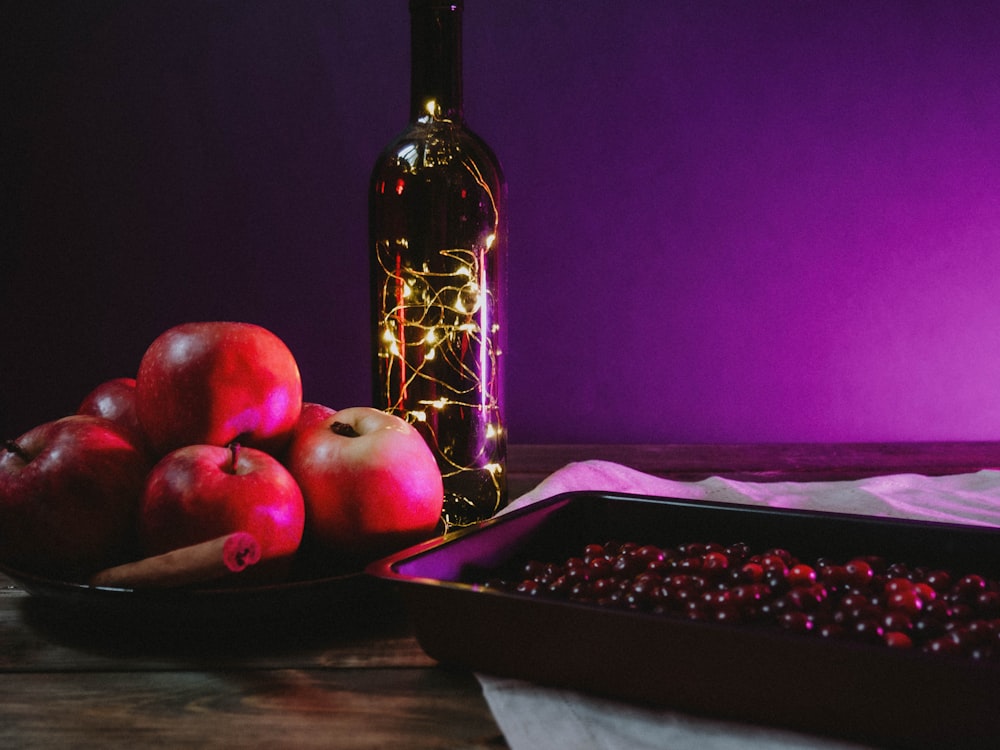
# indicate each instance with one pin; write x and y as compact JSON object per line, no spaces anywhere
{"x":199,"y":563}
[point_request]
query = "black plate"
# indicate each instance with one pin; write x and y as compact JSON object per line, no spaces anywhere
{"x":835,"y":687}
{"x":330,"y":601}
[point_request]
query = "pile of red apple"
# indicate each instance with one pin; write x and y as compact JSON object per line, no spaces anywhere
{"x":212,"y":437}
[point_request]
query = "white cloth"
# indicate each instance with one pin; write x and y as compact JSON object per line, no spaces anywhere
{"x":533,"y":716}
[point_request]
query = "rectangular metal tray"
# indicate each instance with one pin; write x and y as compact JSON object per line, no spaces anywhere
{"x":871,"y":693}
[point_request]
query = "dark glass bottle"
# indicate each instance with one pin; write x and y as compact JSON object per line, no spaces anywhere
{"x":438,"y":244}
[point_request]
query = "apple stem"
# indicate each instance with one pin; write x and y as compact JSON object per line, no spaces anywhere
{"x":16,"y":449}
{"x":342,"y":428}
{"x":234,"y":451}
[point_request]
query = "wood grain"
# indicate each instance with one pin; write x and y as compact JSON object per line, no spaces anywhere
{"x":283,"y":708}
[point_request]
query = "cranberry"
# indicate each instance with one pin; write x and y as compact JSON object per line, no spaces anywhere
{"x":988,"y":603}
{"x":939,"y":580}
{"x":660,"y":567}
{"x":859,"y":572}
{"x":649,"y":554}
{"x":865,"y":598}
{"x":925,"y":591}
{"x":894,"y":584}
{"x":715,"y":599}
{"x":737,"y":552}
{"x":715,"y":562}
{"x":833,"y":575}
{"x":783,"y":553}
{"x":795,"y":621}
{"x":774,"y":562}
{"x":852,"y":602}
{"x":691,"y":549}
{"x":580,"y":590}
{"x":867,"y":630}
{"x":599,"y":567}
{"x":532,"y":568}
{"x":964,"y":637}
{"x":559,"y":587}
{"x":772,"y":609}
{"x":926,"y":627}
{"x":897,"y":639}
{"x":752,"y":572}
{"x":777,"y":580}
{"x":968,"y":588}
{"x":604,"y":586}
{"x":690,"y":564}
{"x":747,"y":593}
{"x":868,"y":611}
{"x":627,"y":564}
{"x":897,"y":620}
{"x":961,"y":612}
{"x":908,"y":601}
{"x":898,"y":570}
{"x":685,"y":594}
{"x":876,"y":563}
{"x":527,"y":587}
{"x":576,"y":569}
{"x":801,"y":575}
{"x":938,"y":610}
{"x":806,"y":598}
{"x":986,"y":629}
{"x":918,"y":574}
{"x":660,"y":596}
{"x":644,"y":587}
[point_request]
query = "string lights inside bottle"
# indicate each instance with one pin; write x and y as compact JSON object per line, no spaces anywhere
{"x":439,"y":347}
{"x":437,"y":226}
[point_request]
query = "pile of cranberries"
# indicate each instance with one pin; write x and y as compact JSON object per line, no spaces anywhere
{"x":865,"y":599}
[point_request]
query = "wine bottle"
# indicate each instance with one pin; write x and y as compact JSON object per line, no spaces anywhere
{"x":438,"y":244}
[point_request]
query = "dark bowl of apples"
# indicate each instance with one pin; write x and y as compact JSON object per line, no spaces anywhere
{"x":311,"y":598}
{"x":68,"y":514}
{"x":128,"y":509}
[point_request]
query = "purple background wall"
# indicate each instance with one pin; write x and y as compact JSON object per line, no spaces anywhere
{"x":731,"y":221}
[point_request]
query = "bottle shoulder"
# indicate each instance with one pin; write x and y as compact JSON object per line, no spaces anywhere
{"x":439,"y":144}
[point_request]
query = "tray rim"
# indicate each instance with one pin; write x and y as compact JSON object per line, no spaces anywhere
{"x":386,"y":567}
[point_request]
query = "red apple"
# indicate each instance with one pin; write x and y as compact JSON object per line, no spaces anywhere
{"x":216,"y":382}
{"x":370,"y":482}
{"x":201,"y":492}
{"x":115,"y":400}
{"x":69,"y":494}
{"x":311,"y":414}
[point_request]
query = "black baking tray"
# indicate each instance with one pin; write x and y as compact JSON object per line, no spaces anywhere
{"x":869,"y":693}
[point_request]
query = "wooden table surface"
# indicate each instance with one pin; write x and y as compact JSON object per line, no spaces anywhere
{"x":357,"y":682}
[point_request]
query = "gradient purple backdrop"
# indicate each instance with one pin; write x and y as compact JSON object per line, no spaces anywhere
{"x":730,"y":221}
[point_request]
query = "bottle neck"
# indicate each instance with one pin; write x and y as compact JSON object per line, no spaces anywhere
{"x":436,"y":60}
